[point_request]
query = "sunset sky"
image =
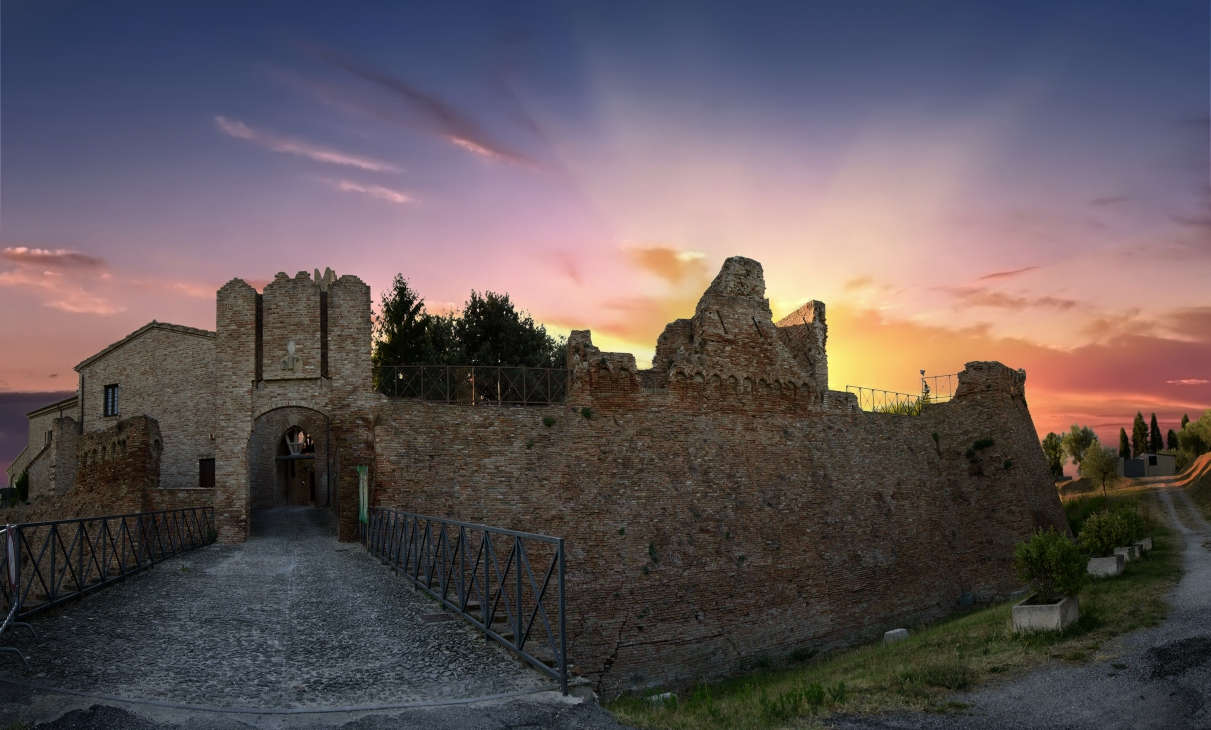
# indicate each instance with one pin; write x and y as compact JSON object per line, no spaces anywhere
{"x":1025,"y":182}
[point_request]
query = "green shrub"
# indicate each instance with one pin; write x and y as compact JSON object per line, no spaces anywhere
{"x":1051,"y":563}
{"x":548,"y":421}
{"x":22,"y":486}
{"x":1135,"y":525}
{"x":1102,"y":532}
{"x":586,"y":412}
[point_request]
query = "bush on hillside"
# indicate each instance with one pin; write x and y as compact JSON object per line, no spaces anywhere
{"x":1051,"y":563}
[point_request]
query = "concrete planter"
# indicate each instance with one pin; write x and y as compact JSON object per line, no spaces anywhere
{"x":1105,"y":567}
{"x":1144,"y":545}
{"x":1028,"y":616}
{"x":1128,"y":553}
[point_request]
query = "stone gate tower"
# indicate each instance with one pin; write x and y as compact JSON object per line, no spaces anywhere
{"x":293,"y":391}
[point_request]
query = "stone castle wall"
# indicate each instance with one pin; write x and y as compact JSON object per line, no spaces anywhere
{"x":717,"y":511}
{"x":167,"y":373}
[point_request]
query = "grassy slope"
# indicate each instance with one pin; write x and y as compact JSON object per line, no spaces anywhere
{"x":920,"y":672}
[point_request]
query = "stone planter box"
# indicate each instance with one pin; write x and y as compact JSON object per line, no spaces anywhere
{"x":1144,"y":545}
{"x":1028,"y":616}
{"x":1128,"y":553}
{"x":1105,"y":567}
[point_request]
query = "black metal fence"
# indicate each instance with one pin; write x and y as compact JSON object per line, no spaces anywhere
{"x":56,"y":561}
{"x":460,"y":564}
{"x":939,"y":388}
{"x":474,"y":384}
{"x":878,"y":400}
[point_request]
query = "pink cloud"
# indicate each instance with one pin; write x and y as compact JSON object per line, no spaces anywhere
{"x":59,"y":292}
{"x":302,"y":148}
{"x":51,"y":258}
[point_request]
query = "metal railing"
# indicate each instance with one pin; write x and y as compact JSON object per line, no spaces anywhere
{"x":60,"y":560}
{"x":878,"y":400}
{"x":473,"y":384}
{"x":939,"y":388}
{"x":459,"y":564}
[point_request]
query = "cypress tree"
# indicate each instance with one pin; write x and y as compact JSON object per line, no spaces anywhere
{"x":1155,"y":441}
{"x":1139,"y":435}
{"x":1172,"y":440}
{"x":1124,"y":447}
{"x":1185,"y":419}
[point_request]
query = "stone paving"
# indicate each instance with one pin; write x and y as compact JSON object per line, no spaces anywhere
{"x":290,"y":620}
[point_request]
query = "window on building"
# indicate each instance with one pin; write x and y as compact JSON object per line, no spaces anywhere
{"x":111,"y":400}
{"x":1151,"y":459}
{"x":206,"y":473}
{"x":48,"y":434}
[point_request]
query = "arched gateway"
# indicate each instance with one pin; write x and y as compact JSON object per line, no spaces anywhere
{"x":293,"y":387}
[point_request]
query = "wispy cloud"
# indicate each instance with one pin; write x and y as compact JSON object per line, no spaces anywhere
{"x":1188,"y":381}
{"x":672,"y":265}
{"x":51,"y":258}
{"x":302,"y":148}
{"x":980,"y":297}
{"x":858,"y":282}
{"x":1006,"y":274}
{"x":1109,"y":200}
{"x":434,"y":114}
{"x":378,"y":192}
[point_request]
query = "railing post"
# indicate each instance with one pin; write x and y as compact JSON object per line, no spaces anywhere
{"x":462,"y":567}
{"x":54,"y":532}
{"x":485,"y":588}
{"x":517,"y":569}
{"x":563,"y":624}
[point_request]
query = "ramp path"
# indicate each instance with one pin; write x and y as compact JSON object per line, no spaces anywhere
{"x":1158,"y":677}
{"x":289,"y":620}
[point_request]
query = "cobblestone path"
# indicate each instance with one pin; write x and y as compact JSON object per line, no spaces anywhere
{"x":289,"y":619}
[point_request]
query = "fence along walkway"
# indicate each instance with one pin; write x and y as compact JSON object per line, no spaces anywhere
{"x":474,"y":384}
{"x":53,"y":562}
{"x":459,"y":564}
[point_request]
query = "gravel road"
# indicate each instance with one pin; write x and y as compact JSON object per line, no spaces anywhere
{"x":1159,"y":677}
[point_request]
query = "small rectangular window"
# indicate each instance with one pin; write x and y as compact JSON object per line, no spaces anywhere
{"x":1151,"y":459}
{"x":206,"y":473}
{"x":48,"y":435}
{"x":111,"y":400}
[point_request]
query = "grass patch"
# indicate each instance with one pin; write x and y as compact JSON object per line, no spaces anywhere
{"x":921,"y":672}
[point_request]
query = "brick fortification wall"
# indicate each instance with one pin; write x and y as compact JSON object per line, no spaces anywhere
{"x":725,"y":506}
{"x":116,"y":471}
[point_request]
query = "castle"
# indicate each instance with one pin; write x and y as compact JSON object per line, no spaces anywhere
{"x":720,"y":509}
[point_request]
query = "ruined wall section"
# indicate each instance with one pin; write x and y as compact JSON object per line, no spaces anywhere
{"x":702,"y":539}
{"x":114,"y":468}
{"x":805,"y":333}
{"x":730,"y":342}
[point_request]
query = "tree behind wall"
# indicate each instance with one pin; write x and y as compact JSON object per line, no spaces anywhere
{"x":1053,"y":449}
{"x":1124,"y":446}
{"x":1155,"y":441}
{"x":1076,"y":441}
{"x":1171,"y":440}
{"x":1139,"y":435}
{"x":1100,"y":465}
{"x":489,"y":331}
{"x":492,"y":332}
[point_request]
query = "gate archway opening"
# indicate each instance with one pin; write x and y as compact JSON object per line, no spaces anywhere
{"x":290,"y":463}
